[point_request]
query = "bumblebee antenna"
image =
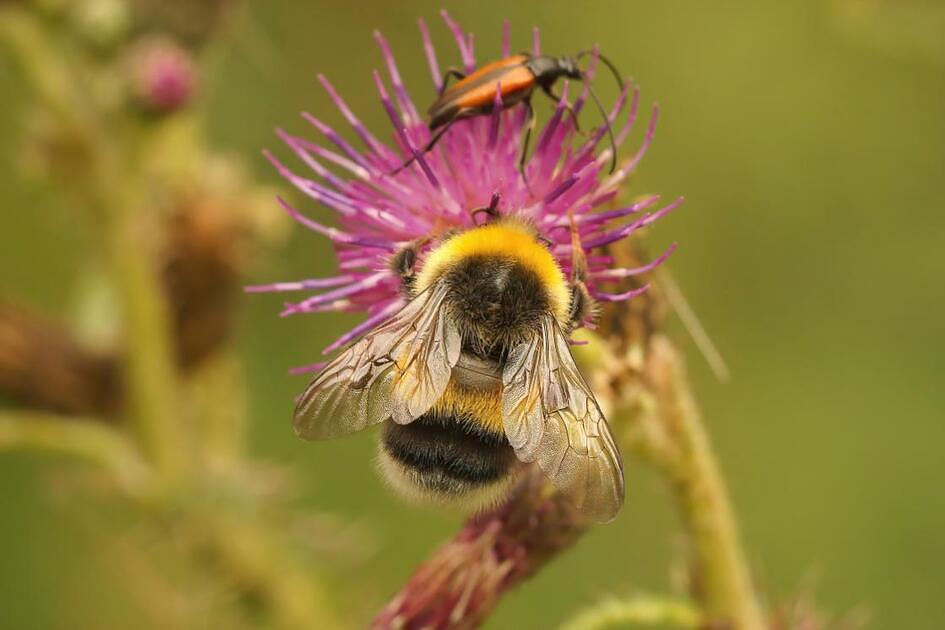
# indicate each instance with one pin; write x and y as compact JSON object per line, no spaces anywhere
{"x":492,"y":210}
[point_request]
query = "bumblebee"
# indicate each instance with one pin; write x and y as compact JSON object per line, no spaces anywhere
{"x":474,"y":379}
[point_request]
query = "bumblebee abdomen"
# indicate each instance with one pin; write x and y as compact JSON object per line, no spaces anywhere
{"x":444,"y":450}
{"x":446,"y":458}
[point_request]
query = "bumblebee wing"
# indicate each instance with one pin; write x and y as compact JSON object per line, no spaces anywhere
{"x":552,"y":418}
{"x":395,"y":372}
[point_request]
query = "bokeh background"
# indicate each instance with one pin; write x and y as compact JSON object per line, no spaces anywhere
{"x":809,"y":140}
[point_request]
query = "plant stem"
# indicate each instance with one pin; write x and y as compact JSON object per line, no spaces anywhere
{"x":725,"y":586}
{"x":148,"y":366}
{"x":639,"y":610}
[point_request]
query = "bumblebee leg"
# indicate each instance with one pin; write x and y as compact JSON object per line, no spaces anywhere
{"x":404,"y":262}
{"x":557,"y":99}
{"x":581,"y":307}
{"x":450,"y":73}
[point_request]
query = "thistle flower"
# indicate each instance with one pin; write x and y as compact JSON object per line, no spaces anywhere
{"x":164,"y":76}
{"x":564,"y":189}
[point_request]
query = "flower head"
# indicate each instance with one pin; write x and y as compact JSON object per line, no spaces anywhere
{"x":565,"y":188}
{"x":164,"y":76}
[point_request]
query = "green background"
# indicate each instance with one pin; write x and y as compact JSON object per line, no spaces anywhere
{"x":809,"y":140}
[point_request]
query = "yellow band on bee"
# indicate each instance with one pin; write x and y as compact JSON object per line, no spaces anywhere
{"x":506,"y":239}
{"x":482,"y":407}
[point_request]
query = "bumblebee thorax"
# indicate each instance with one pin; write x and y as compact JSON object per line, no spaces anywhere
{"x":498,"y":266}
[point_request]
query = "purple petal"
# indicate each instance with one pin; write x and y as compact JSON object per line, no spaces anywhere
{"x":403,"y":98}
{"x":334,"y":234}
{"x":620,"y":273}
{"x":305,"y":369}
{"x":430,"y":53}
{"x":300,"y":285}
{"x":620,"y":297}
{"x":647,"y":139}
{"x":465,"y":50}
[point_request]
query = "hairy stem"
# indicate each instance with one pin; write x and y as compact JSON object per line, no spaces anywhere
{"x":727,"y":592}
{"x":461,"y":583}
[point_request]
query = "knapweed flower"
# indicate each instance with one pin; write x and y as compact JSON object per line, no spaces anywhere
{"x":565,"y":188}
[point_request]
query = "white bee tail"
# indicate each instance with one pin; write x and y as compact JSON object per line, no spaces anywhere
{"x":693,"y":326}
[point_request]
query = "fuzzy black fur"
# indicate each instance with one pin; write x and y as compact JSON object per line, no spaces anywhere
{"x":449,"y":455}
{"x":496,"y":302}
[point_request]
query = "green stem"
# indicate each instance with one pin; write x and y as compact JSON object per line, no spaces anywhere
{"x":726,"y":589}
{"x":148,"y":366}
{"x":640,"y":610}
{"x":657,"y":415}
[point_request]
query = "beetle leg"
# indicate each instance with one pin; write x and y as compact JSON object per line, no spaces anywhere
{"x":557,"y":99}
{"x":429,"y":146}
{"x":528,"y":137}
{"x":451,"y":72}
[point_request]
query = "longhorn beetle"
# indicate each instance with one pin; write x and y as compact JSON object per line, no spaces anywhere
{"x":516,"y":76}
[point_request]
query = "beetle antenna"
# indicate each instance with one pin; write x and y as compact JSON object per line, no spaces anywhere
{"x":607,"y":62}
{"x":610,"y":130}
{"x":613,"y":69}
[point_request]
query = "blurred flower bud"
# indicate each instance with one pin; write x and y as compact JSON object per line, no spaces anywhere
{"x":163,"y":75}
